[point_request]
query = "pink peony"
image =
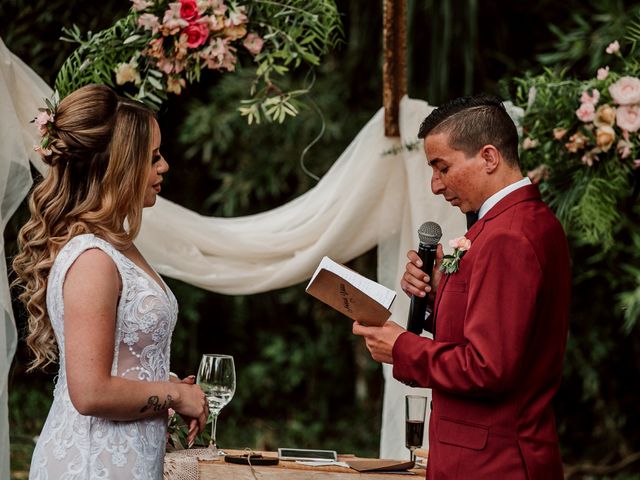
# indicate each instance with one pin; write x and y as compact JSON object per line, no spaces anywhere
{"x":628,"y":117}
{"x":626,"y":91}
{"x":189,"y":10}
{"x":586,"y":112}
{"x":613,"y":47}
{"x":602,"y":73}
{"x":253,"y":43}
{"x":197,"y":34}
{"x":461,"y":243}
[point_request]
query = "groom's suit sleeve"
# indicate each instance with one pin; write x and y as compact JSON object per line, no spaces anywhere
{"x":484,"y":317}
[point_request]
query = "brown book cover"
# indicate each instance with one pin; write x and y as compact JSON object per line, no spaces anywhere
{"x":350,"y":293}
{"x":380,"y":465}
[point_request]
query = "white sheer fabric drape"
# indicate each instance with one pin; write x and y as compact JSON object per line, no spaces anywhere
{"x":367,"y":198}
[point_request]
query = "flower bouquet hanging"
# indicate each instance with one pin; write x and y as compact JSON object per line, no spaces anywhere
{"x":581,"y":142}
{"x":160,"y":47}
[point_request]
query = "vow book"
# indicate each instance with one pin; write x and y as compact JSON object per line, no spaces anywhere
{"x":350,"y":293}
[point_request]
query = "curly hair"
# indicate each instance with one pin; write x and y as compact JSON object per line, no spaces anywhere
{"x":101,"y":150}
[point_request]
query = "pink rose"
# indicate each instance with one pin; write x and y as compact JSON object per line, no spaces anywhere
{"x":461,"y":243}
{"x":253,"y":43}
{"x":628,"y":117}
{"x":636,"y":164}
{"x":626,"y":91}
{"x":590,"y":98}
{"x":197,"y":34}
{"x":613,"y":47}
{"x":586,"y":112}
{"x":602,"y":73}
{"x":189,"y":10}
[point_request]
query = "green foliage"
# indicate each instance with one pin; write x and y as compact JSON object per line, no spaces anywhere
{"x":586,"y":181}
{"x":591,"y":26}
{"x":295,"y":33}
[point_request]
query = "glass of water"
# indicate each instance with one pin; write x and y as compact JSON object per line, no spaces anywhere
{"x":217,"y":378}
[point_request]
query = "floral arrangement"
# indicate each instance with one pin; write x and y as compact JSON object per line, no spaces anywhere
{"x":581,"y":142}
{"x":451,"y":263}
{"x":161,"y":46}
{"x":44,"y":122}
{"x":187,"y":36}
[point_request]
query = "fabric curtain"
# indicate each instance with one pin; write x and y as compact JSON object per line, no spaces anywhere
{"x":369,"y":197}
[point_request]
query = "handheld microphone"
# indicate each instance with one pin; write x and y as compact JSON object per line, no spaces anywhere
{"x":429,"y":235}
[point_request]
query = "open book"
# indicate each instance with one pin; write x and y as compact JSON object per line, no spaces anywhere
{"x":350,"y":293}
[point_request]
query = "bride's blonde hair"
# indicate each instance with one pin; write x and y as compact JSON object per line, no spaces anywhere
{"x":101,"y":150}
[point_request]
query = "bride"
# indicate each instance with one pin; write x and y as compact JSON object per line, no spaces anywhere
{"x":95,"y":305}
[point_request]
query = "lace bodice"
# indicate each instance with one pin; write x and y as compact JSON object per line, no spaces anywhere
{"x":73,"y":446}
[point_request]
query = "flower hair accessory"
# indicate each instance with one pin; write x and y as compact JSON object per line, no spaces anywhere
{"x":44,"y":121}
{"x":451,"y":263}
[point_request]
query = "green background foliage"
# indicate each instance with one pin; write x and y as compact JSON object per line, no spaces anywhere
{"x":303,"y":380}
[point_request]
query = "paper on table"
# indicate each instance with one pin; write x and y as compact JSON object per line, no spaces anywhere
{"x":322,"y":463}
{"x":379,"y":293}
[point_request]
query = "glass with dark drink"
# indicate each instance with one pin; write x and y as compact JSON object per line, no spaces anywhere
{"x":416,"y":408}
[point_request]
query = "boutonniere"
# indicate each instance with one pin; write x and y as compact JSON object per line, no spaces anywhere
{"x":450,"y":263}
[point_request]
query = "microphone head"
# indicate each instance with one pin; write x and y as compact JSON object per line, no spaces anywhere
{"x":430,"y":233}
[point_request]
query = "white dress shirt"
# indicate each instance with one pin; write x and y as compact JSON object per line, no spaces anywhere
{"x":490,"y":202}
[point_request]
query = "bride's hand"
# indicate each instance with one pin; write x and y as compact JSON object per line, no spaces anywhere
{"x":191,"y":421}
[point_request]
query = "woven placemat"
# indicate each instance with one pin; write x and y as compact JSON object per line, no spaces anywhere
{"x":183,"y":464}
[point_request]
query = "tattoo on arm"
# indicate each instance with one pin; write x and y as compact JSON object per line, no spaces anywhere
{"x":153,"y":403}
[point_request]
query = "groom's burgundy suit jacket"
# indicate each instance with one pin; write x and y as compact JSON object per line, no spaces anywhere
{"x":501,"y":324}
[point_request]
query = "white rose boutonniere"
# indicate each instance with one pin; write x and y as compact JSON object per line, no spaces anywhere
{"x":450,"y":263}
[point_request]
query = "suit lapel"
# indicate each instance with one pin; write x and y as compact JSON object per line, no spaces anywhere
{"x":526,"y":193}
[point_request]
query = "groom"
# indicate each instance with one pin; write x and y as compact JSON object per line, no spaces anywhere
{"x":500,"y":317}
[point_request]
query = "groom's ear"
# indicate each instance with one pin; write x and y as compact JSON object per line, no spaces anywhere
{"x":491,"y":157}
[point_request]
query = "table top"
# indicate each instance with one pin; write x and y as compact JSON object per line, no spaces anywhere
{"x":285,"y":470}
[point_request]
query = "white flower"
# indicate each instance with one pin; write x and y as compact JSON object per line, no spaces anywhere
{"x":127,"y":72}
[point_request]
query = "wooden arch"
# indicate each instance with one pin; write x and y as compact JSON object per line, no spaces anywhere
{"x":394,"y":69}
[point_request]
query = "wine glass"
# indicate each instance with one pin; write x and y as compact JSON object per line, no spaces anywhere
{"x":217,"y":378}
{"x":416,"y":408}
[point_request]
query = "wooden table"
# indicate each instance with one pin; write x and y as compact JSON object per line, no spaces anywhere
{"x":285,"y":470}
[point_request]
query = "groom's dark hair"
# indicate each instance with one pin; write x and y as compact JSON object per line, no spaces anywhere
{"x":472,"y":122}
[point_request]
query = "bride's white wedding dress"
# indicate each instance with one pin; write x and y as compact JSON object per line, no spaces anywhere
{"x":73,"y":446}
